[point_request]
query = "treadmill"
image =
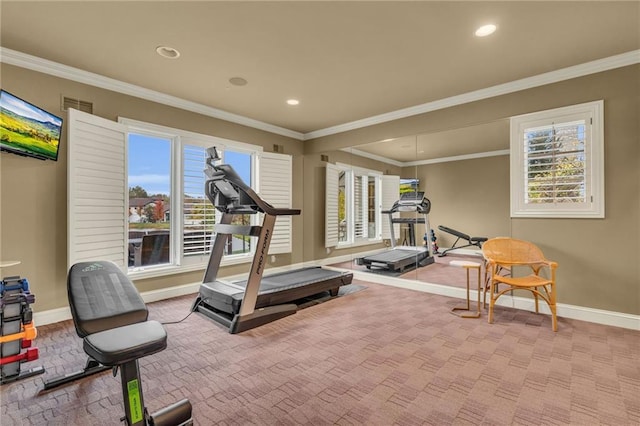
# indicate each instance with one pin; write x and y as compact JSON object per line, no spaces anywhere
{"x":399,"y":258}
{"x":243,"y":305}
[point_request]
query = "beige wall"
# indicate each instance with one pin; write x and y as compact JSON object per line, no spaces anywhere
{"x":33,"y":227}
{"x":599,"y":258}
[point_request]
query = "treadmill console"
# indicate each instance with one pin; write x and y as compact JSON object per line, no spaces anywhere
{"x":412,"y":202}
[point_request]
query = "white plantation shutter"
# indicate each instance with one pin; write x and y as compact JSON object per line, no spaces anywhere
{"x":390,"y":194}
{"x":557,"y":162}
{"x":96,"y":190}
{"x":276,"y":188}
{"x":198,"y":215}
{"x":331,"y":206}
{"x":360,"y":203}
{"x":554,"y":162}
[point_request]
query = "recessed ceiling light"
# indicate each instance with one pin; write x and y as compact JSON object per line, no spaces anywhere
{"x":168,"y":52}
{"x":485,"y":30}
{"x":293,"y":101}
{"x":238,"y":81}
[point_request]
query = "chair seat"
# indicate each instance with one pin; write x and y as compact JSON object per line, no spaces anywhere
{"x":127,"y":343}
{"x":528,"y":281}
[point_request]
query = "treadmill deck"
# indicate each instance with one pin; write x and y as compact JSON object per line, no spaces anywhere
{"x":396,"y":259}
{"x":275,"y":289}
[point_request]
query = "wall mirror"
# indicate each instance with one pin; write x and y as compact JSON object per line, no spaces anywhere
{"x":437,"y":166}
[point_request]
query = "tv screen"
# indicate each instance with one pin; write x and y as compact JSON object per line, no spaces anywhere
{"x":28,"y":130}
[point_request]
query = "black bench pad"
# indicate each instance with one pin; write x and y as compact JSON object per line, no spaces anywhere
{"x":101,"y":297}
{"x":127,"y":343}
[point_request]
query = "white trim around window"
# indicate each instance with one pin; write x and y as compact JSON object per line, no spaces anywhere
{"x":557,"y":163}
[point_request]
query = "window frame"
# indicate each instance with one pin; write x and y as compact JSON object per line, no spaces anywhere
{"x":179,"y":139}
{"x":351,"y":172}
{"x":593,"y":115}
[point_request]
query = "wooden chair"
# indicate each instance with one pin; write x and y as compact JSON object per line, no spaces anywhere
{"x":501,"y":253}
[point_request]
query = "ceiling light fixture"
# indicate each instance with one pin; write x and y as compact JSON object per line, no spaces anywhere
{"x":293,"y":101}
{"x":238,"y":81}
{"x":485,"y":30}
{"x":168,"y":52}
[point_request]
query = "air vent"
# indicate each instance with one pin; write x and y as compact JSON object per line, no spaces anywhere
{"x":324,"y":158}
{"x":83,"y":106}
{"x":278,"y":148}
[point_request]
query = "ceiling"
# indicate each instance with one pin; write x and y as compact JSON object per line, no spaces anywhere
{"x":344,"y":61}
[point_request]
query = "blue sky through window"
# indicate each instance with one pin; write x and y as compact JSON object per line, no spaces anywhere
{"x":150,"y":163}
{"x":241,"y":163}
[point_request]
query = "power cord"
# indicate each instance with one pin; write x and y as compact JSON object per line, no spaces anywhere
{"x":201,"y":301}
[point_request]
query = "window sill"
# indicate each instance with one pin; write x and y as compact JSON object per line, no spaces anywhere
{"x":142,"y":273}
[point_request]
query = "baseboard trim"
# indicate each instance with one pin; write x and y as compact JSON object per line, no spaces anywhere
{"x":598,"y":316}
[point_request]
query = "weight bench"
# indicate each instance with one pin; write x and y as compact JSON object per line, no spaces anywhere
{"x":111,"y":317}
{"x":471,"y":241}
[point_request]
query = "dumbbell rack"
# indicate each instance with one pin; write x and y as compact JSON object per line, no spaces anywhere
{"x":17,"y":330}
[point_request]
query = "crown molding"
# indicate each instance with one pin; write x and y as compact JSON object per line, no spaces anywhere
{"x":45,"y":66}
{"x":600,"y":65}
{"x":458,"y":158}
{"x":359,"y":153}
{"x":430,"y":161}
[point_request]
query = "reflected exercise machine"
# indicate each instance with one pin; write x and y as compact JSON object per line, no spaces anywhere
{"x":398,"y":258}
{"x":243,"y":305}
{"x":471,"y":241}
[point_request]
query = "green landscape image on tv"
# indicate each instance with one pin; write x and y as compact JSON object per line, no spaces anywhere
{"x":28,"y":130}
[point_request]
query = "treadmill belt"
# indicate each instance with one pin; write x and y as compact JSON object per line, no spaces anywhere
{"x":394,"y":255}
{"x":292,"y":279}
{"x":283,"y":287}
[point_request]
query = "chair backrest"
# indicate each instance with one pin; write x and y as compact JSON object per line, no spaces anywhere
{"x":102,"y":297}
{"x":511,"y":251}
{"x":155,"y":249}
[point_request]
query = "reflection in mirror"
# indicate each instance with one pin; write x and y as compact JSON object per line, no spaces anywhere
{"x":446,"y":166}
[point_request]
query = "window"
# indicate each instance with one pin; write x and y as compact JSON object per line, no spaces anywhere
{"x":557,"y":163}
{"x":199,"y":215}
{"x":242,"y":163}
{"x":353,"y":206}
{"x":149,"y":182}
{"x":136,"y":195}
{"x":149,"y":150}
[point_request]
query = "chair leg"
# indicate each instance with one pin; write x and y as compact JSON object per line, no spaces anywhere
{"x":491,"y":302}
{"x":554,"y":318}
{"x":552,"y":307}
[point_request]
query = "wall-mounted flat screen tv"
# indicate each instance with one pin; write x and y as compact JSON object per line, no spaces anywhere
{"x":28,"y":130}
